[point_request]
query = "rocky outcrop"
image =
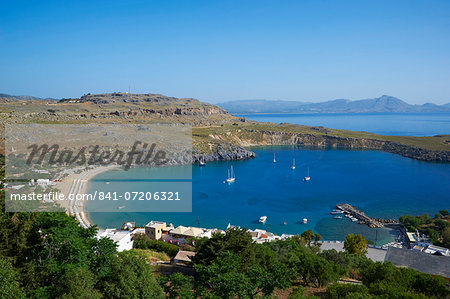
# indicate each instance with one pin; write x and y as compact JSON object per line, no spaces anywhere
{"x":265,"y":137}
{"x":286,"y":138}
{"x":224,"y":152}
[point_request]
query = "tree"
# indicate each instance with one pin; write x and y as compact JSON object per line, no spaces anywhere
{"x":177,"y":286}
{"x":130,"y":277}
{"x":78,"y":283}
{"x":235,"y":240}
{"x":267,"y":273}
{"x":223,"y":278}
{"x":339,"y":290}
{"x":355,"y":244}
{"x":378,"y":271}
{"x":317,"y":237}
{"x":313,"y":269}
{"x":431,"y":286}
{"x":441,"y":224}
{"x":446,"y":237}
{"x":341,"y":259}
{"x":444,"y":212}
{"x":308,"y":236}
{"x":9,"y":286}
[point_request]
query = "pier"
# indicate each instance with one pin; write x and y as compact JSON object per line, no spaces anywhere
{"x":362,"y":218}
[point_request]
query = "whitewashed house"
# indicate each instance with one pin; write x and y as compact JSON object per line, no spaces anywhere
{"x":121,"y":237}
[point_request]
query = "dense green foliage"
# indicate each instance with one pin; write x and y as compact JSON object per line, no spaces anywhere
{"x":143,"y":242}
{"x":384,"y":279}
{"x":48,"y":255}
{"x":437,"y":228}
{"x":177,"y":285}
{"x":9,"y":286}
{"x":232,"y":266}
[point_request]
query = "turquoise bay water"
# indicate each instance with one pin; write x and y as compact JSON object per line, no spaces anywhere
{"x":408,"y":124}
{"x":380,"y":184}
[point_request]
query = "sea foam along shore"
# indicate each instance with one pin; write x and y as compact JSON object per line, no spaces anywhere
{"x":76,"y":183}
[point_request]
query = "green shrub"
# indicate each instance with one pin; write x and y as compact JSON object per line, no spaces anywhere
{"x":144,"y":242}
{"x":339,"y":290}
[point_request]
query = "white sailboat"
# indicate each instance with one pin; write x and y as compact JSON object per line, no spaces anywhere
{"x":274,"y":160}
{"x":262,"y":219}
{"x":231,"y":177}
{"x":307,"y":177}
{"x":293,"y":164}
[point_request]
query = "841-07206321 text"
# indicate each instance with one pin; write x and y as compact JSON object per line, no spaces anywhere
{"x":135,"y":195}
{"x":101,"y":196}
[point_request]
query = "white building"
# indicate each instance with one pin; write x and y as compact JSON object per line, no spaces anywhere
{"x":43,"y":182}
{"x":433,"y":249}
{"x":121,"y":237}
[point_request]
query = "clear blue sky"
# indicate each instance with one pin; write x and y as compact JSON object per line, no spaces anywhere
{"x":227,"y":50}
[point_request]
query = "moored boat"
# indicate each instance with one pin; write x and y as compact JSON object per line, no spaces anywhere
{"x":231,"y":177}
{"x":307,"y":177}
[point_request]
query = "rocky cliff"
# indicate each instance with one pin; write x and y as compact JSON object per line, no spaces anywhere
{"x":244,"y":137}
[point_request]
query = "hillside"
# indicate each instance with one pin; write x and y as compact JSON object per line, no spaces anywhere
{"x":217,"y":135}
{"x":114,"y":108}
{"x":382,"y":104}
{"x":30,"y":98}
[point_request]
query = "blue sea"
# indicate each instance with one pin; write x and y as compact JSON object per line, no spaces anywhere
{"x":406,"y":124}
{"x":380,"y":184}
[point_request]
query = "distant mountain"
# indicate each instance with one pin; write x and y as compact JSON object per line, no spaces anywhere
{"x":7,"y":96}
{"x":384,"y":103}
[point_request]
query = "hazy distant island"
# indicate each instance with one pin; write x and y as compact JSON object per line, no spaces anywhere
{"x":383,"y":104}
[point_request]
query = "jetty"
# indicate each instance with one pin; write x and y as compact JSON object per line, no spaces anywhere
{"x":362,"y":218}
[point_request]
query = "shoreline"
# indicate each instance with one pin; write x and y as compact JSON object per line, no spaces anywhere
{"x":77,"y":183}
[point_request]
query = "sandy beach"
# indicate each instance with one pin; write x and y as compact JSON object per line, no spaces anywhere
{"x":76,"y":183}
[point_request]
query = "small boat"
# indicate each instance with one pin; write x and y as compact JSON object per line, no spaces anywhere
{"x":262,"y":219}
{"x":305,"y":220}
{"x":121,"y":207}
{"x":231,"y":177}
{"x":354,"y":220}
{"x":337,"y":212}
{"x":307,"y":177}
{"x":293,"y":164}
{"x":337,"y":217}
{"x":107,"y":183}
{"x":274,"y":160}
{"x":201,"y":162}
{"x":285,"y":223}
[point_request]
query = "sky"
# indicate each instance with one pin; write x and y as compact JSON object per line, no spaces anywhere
{"x":311,"y":50}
